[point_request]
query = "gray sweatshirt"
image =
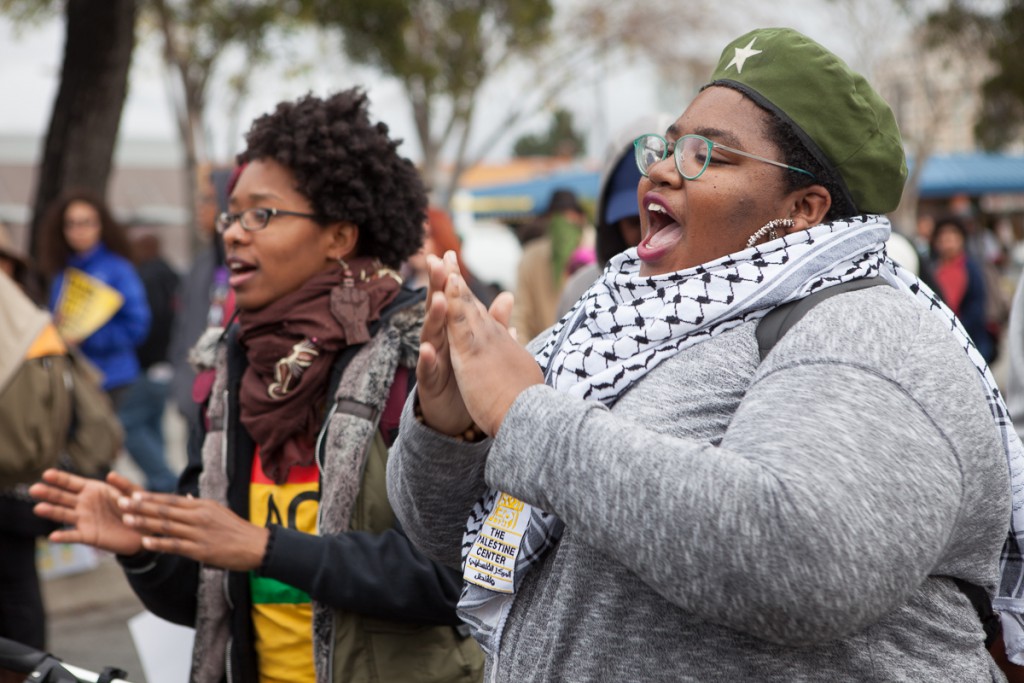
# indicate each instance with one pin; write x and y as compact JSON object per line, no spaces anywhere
{"x":727,"y":520}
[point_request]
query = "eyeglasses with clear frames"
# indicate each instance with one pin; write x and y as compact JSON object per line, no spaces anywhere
{"x":692,"y":154}
{"x":254,"y":219}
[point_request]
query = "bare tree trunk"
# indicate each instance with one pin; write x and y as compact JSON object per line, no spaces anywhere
{"x":187,"y":113}
{"x":79,"y":146}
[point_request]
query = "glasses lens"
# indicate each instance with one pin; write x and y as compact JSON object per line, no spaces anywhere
{"x":692,"y":155}
{"x":223,"y":222}
{"x":650,"y":149}
{"x":255,"y":219}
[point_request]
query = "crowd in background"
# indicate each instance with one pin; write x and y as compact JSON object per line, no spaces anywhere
{"x":143,"y":347}
{"x":143,"y":350}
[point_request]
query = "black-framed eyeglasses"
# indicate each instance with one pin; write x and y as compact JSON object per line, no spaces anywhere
{"x":254,"y":219}
{"x":692,"y":154}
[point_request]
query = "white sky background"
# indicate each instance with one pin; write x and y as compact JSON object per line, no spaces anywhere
{"x":30,"y":60}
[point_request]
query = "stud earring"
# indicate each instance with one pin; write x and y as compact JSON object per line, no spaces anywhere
{"x":769,"y":229}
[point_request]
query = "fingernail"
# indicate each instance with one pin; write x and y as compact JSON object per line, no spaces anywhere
{"x":129,"y":520}
{"x":137,"y":495}
{"x":123,"y":502}
{"x":147,"y":542}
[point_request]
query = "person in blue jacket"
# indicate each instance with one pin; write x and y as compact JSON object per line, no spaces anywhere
{"x":78,"y":232}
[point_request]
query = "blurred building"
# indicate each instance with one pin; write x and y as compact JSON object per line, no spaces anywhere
{"x":147,"y":188}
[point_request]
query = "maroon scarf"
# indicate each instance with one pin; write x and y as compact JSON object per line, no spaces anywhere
{"x":291,"y":345}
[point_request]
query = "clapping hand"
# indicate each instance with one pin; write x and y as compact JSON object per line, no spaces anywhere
{"x":490,"y":366}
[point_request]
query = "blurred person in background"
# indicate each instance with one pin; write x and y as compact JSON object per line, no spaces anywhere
{"x":78,"y":232}
{"x":544,"y":264}
{"x":281,"y":549}
{"x":439,"y":236}
{"x":22,"y":613}
{"x":960,"y":281}
{"x":618,"y":223}
{"x":204,"y":298}
{"x":17,"y":265}
{"x":902,"y":251}
{"x":142,"y":410}
{"x":1015,"y":366}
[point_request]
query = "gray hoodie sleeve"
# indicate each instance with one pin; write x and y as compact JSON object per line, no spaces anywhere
{"x":433,"y":482}
{"x":787,"y":506}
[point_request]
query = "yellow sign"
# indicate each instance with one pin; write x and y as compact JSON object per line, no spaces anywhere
{"x":84,"y":305}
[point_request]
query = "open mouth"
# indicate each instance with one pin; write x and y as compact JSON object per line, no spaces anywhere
{"x":238,"y":270}
{"x":663,"y":230}
{"x":658,"y":220}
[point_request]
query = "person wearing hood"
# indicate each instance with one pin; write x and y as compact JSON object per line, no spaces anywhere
{"x":618,"y":224}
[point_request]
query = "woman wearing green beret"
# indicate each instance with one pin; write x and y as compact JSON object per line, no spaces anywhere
{"x":650,"y":492}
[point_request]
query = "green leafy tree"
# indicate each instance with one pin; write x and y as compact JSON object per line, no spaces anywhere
{"x":998,"y":33}
{"x":442,"y":52}
{"x":79,"y":146}
{"x":561,"y":139}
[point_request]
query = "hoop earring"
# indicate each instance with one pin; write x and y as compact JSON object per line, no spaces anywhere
{"x":769,"y":229}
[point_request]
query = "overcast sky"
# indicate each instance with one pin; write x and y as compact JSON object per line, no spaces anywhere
{"x":30,"y":61}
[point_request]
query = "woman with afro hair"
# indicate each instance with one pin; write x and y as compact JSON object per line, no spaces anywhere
{"x":280,"y":547}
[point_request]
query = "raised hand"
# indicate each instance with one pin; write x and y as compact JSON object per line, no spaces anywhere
{"x":437,"y":390}
{"x":89,"y":507}
{"x":200,"y":529}
{"x":490,"y":366}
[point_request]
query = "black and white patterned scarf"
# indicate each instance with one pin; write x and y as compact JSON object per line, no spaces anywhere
{"x":625,"y":325}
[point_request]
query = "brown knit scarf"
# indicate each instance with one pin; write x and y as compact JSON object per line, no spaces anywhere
{"x":291,"y":345}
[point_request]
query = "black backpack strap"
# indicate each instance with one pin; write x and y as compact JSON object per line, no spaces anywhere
{"x":780,"y":319}
{"x":774,"y":326}
{"x":983,"y":606}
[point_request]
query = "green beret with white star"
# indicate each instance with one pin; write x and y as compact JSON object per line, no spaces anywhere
{"x":835,"y":111}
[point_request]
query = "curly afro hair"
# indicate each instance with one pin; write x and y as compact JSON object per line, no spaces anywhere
{"x":348,"y":168}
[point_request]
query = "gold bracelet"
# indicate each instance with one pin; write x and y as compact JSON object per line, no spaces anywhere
{"x":472,"y":435}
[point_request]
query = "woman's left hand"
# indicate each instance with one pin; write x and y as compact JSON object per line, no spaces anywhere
{"x":200,"y":529}
{"x":492,"y":368}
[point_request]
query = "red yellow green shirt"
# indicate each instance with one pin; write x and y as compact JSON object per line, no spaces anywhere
{"x":283,"y":615}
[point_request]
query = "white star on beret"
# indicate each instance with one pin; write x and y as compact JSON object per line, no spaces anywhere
{"x":742,"y":55}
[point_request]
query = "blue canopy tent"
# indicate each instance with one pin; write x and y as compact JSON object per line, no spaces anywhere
{"x":944,"y":175}
{"x":973,"y":174}
{"x":523,"y":200}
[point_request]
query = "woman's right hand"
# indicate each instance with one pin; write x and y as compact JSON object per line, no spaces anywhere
{"x":89,"y":507}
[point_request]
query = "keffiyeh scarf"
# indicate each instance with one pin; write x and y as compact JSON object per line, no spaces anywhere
{"x":625,"y":325}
